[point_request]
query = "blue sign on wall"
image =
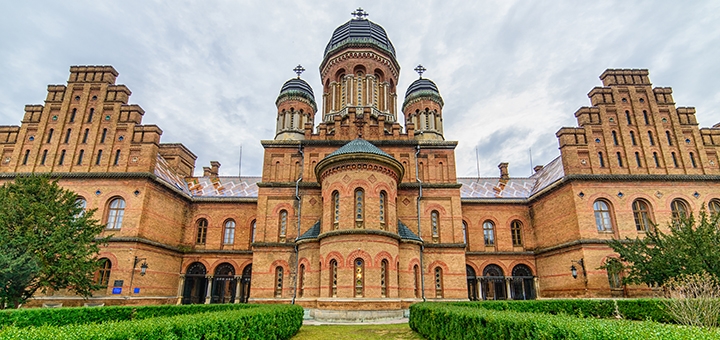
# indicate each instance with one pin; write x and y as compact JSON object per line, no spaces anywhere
{"x":117,"y":290}
{"x":136,"y":290}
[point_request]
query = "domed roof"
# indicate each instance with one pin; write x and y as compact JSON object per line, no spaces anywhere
{"x":358,"y":146}
{"x":422,"y":84}
{"x":359,"y":149}
{"x":297,"y":87}
{"x":359,"y":32}
{"x":422,"y":88}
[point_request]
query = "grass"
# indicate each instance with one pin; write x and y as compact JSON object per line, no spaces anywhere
{"x":359,"y":332}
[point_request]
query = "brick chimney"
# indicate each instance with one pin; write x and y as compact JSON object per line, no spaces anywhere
{"x":504,"y":175}
{"x":213,"y":170}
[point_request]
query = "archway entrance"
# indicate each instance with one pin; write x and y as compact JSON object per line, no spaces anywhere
{"x":523,"y":283}
{"x":493,"y":283}
{"x":224,"y":284}
{"x":195,"y":284}
{"x":244,"y":293}
{"x":471,"y":283}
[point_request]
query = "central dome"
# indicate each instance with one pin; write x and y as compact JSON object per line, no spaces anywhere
{"x":360,"y":32}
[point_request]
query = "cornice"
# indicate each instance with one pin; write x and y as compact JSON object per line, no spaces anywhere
{"x":358,"y":232}
{"x":331,"y":58}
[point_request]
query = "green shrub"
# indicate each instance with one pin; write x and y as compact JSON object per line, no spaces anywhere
{"x":448,"y":321}
{"x":253,"y":322}
{"x":644,"y":309}
{"x":574,"y":307}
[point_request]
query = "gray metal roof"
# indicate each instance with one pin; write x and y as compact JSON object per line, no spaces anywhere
{"x":312,"y":233}
{"x":358,"y":146}
{"x":407,"y":234}
{"x":422,"y":84}
{"x":359,"y":32}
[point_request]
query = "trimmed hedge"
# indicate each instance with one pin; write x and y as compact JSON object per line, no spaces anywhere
{"x":255,"y":322}
{"x":35,"y":317}
{"x":448,"y":321}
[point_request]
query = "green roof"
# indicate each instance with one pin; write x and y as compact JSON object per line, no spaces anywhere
{"x":358,"y":146}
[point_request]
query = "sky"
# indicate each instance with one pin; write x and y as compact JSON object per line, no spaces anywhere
{"x":511,"y":73}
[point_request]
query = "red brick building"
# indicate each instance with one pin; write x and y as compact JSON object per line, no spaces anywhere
{"x":361,"y":212}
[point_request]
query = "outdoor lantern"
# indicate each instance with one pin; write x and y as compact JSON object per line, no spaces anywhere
{"x":573,"y":270}
{"x":143,"y":268}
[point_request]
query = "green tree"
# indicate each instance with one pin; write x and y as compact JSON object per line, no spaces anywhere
{"x":47,"y":240}
{"x":689,"y":247}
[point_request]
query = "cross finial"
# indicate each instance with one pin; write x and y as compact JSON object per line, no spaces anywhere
{"x":359,"y":14}
{"x":299,"y":69}
{"x":420,"y":69}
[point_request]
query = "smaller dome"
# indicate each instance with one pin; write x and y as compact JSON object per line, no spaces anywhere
{"x":422,"y":84}
{"x":422,"y":88}
{"x":297,"y":87}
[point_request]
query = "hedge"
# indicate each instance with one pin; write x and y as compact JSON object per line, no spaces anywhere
{"x":255,"y":322}
{"x":447,"y":321}
{"x":82,"y":315}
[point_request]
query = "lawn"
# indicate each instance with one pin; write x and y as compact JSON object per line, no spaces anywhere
{"x":360,"y":332}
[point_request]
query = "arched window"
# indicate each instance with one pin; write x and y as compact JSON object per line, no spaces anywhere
{"x":104,"y":134}
{"x":44,"y":157}
{"x":645,"y":116}
{"x":253,"y":227}
{"x":224,"y":284}
{"x":416,"y":281}
{"x":85,"y":136}
{"x":674,"y":159}
{"x":632,"y":138}
{"x":62,"y":158}
{"x":301,"y":278}
{"x":627,"y":116}
{"x":641,"y":212}
{"x":117,"y":157}
{"x":336,"y":209}
{"x":383,"y":209}
{"x":80,"y":157}
{"x":657,"y":161}
{"x":67,"y":135}
{"x":522,"y":283}
{"x":714,"y":206}
{"x":278,"y":281}
{"x":202,"y":225}
{"x":359,"y":277}
{"x":438,"y":283}
{"x":103,"y":274}
{"x":516,"y":231}
{"x":383,"y":278}
{"x":692,"y":160}
{"x":25,"y":158}
{"x":72,"y":115}
{"x":489,"y":233}
{"x":679,"y":209}
{"x":282,"y":225}
{"x":650,"y":138}
{"x":90,"y":116}
{"x":602,"y":161}
{"x":637,"y":160}
{"x":229,"y":236}
{"x":493,"y":283}
{"x":614,"y":138}
{"x":81,"y":203}
{"x":602,"y":216}
{"x":359,"y":207}
{"x":669,"y":139}
{"x":115,"y":213}
{"x":99,"y":157}
{"x":333,"y":278}
{"x":50,"y":135}
{"x":434,"y":224}
{"x":465,"y":238}
{"x":619,"y":158}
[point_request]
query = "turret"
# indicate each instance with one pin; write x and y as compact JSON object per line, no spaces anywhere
{"x":296,"y":106}
{"x":423,"y":108}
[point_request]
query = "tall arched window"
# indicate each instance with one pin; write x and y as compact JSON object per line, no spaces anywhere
{"x":85,"y":136}
{"x":645,"y":116}
{"x":650,"y":138}
{"x":438,"y":283}
{"x":90,"y":116}
{"x":674,"y":158}
{"x":632,"y":138}
{"x":383,"y":278}
{"x":202,"y":225}
{"x":627,"y":116}
{"x":669,"y":139}
{"x":333,"y":278}
{"x":278,"y":281}
{"x":117,"y":157}
{"x":679,"y":209}
{"x":637,"y":160}
{"x":655,"y":158}
{"x":99,"y":157}
{"x":115,"y":213}
{"x":25,"y":158}
{"x":383,"y":210}
{"x":641,"y":212}
{"x":619,"y":159}
{"x":72,"y":115}
{"x":465,"y":238}
{"x":282,"y":225}
{"x":229,"y":237}
{"x":359,"y":277}
{"x":614,"y":138}
{"x":516,"y":231}
{"x":301,"y":278}
{"x":714,"y":206}
{"x":80,"y":157}
{"x":103,"y":274}
{"x":602,"y":216}
{"x":44,"y":156}
{"x":336,"y":209}
{"x":103,"y":136}
{"x":67,"y":135}
{"x":62,"y":157}
{"x":50,"y":135}
{"x":416,"y":281}
{"x":489,"y":233}
{"x":434,"y":224}
{"x":253,"y":229}
{"x":359,"y":207}
{"x":692,"y":160}
{"x":81,"y":203}
{"x":600,"y":158}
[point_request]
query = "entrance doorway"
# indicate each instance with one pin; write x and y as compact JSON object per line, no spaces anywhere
{"x":195,"y":284}
{"x":244,"y":293}
{"x":223,"y":290}
{"x":493,"y":283}
{"x":523,"y":283}
{"x":471,"y":283}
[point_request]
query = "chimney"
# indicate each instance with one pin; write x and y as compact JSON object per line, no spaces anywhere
{"x":504,"y":171}
{"x":537,"y":168}
{"x":206,"y":171}
{"x":215,"y":165}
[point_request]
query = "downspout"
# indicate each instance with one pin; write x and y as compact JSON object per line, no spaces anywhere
{"x":422,"y":244}
{"x":299,"y":203}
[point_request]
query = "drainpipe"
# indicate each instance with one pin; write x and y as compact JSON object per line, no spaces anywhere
{"x":299,"y":206}
{"x":422,"y":244}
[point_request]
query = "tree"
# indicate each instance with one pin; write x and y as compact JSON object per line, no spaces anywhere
{"x":688,"y":248}
{"x":47,"y":241}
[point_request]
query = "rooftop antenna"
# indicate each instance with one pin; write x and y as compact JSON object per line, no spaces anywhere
{"x":420,"y":70}
{"x":299,"y":69}
{"x":240,"y":163}
{"x":477,"y":159}
{"x":531,"y":163}
{"x":359,"y":14}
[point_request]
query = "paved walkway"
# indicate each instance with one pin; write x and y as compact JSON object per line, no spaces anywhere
{"x":313,"y":322}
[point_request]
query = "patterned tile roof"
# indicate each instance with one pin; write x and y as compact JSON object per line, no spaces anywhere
{"x":166,"y":174}
{"x":223,"y":186}
{"x":523,"y":187}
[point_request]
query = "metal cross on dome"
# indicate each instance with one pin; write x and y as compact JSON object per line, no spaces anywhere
{"x":420,"y":70}
{"x":359,"y":14}
{"x":299,"y":69}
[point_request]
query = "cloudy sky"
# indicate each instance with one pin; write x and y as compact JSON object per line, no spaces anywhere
{"x":511,"y":72}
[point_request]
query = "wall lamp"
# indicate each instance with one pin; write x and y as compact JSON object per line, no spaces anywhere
{"x":573,"y":269}
{"x":143,"y":266}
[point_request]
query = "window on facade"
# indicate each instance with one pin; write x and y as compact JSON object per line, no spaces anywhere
{"x":383,"y":209}
{"x":465,"y":229}
{"x":619,"y":159}
{"x":336,"y":209}
{"x":103,"y":275}
{"x":278,"y":281}
{"x":674,"y":158}
{"x":62,"y":157}
{"x":104,"y":134}
{"x":714,"y":206}
{"x":81,"y":203}
{"x":116,"y":212}
{"x":282,"y":225}
{"x":614,"y":138}
{"x":202,"y":226}
{"x":645,"y":116}
{"x":80,"y":157}
{"x":359,"y":207}
{"x":383,"y":278}
{"x":438,"y":283}
{"x":85,"y":136}
{"x":117,"y":157}
{"x":434,"y":224}
{"x":229,"y":235}
{"x":25,"y":158}
{"x":655,"y":158}
{"x":641,"y":212}
{"x":333,"y":278}
{"x":90,"y":116}
{"x":72,"y":115}
{"x":632,"y":138}
{"x":614,"y":278}
{"x":679,"y":209}
{"x":637,"y":160}
{"x":416,"y":281}
{"x":301,"y":279}
{"x":50,"y":135}
{"x":650,"y":138}
{"x":99,"y":157}
{"x":516,"y":231}
{"x":602,"y":216}
{"x":692,"y":160}
{"x":489,"y":233}
{"x":602,"y":161}
{"x":627,"y":116}
{"x":669,"y":139}
{"x":44,"y":156}
{"x":253,"y":227}
{"x":67,"y":135}
{"x":359,"y":277}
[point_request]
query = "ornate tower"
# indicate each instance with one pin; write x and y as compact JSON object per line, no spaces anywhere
{"x":423,"y":107}
{"x":296,"y":106}
{"x":359,"y":74}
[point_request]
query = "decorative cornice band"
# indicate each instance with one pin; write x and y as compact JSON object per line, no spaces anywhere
{"x":358,"y":232}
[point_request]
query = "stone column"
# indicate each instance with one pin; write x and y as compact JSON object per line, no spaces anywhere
{"x":181,"y":284}
{"x":537,"y":287}
{"x":507,"y":288}
{"x":208,"y":289}
{"x":238,"y":282}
